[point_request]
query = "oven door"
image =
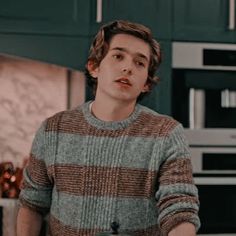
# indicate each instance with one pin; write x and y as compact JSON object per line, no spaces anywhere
{"x":217,"y":195}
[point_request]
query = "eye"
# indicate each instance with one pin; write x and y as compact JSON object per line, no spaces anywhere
{"x":140,"y":63}
{"x":118,"y":56}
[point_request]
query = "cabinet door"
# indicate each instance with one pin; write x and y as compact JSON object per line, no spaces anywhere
{"x":64,"y":51}
{"x":156,"y":14}
{"x":202,"y":20}
{"x":58,"y":17}
{"x":160,"y":97}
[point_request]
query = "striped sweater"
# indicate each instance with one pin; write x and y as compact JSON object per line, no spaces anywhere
{"x":87,"y":173}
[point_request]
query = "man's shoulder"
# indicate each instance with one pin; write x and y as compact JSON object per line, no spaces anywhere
{"x":154,"y":115}
{"x":159,"y":123}
{"x":64,"y":118}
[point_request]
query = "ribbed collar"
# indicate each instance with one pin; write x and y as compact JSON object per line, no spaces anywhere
{"x":110,"y":125}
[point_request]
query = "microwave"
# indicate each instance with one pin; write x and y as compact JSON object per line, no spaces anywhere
{"x":204,"y":85}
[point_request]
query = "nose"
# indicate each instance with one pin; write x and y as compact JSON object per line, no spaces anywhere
{"x":127,"y":71}
{"x":127,"y":68}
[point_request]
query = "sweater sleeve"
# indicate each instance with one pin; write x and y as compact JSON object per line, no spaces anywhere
{"x":177,"y":194}
{"x":37,"y":184}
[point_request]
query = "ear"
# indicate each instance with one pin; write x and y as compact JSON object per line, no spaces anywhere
{"x":92,"y":68}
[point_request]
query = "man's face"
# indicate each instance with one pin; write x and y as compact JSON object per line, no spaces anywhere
{"x":122,"y":74}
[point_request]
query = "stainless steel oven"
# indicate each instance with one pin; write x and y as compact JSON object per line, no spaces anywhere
{"x":214,"y":169}
{"x":204,"y":101}
{"x":204,"y":85}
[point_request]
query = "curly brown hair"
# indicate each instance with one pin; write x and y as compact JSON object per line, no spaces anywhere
{"x":100,"y":47}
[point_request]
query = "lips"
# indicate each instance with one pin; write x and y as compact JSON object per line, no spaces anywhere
{"x":123,"y":81}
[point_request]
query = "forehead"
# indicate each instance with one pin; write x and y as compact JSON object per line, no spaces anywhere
{"x":131,"y":43}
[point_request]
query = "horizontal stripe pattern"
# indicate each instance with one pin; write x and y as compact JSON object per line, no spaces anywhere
{"x":36,"y":186}
{"x":176,"y":171}
{"x":37,"y":171}
{"x":52,"y":123}
{"x":98,"y":212}
{"x":97,"y":178}
{"x":104,"y":181}
{"x":146,"y":125}
{"x":169,"y":200}
{"x":132,"y":152}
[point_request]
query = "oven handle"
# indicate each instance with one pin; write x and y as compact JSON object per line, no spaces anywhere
{"x":215,"y":180}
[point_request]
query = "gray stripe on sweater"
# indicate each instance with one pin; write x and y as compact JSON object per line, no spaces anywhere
{"x":132,"y":152}
{"x":101,"y":211}
{"x":182,"y":188}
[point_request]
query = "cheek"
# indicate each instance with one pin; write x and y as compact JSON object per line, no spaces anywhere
{"x":104,"y":74}
{"x":144,"y":76}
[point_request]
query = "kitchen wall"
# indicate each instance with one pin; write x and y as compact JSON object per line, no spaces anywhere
{"x":30,"y":91}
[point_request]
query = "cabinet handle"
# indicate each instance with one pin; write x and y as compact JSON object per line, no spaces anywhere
{"x":231,"y":25}
{"x":99,"y":11}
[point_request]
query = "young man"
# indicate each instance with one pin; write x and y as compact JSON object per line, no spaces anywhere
{"x":111,"y":159}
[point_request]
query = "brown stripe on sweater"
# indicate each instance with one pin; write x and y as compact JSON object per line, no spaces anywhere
{"x":176,"y":171}
{"x":146,"y":125}
{"x":38,"y":171}
{"x":168,"y":223}
{"x":57,"y":228}
{"x":149,"y":125}
{"x":104,"y":181}
{"x":176,"y":198}
{"x":52,"y":122}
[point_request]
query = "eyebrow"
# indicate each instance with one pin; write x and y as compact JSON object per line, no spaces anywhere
{"x":127,"y":51}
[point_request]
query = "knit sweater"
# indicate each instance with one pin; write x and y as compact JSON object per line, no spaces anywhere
{"x":88,"y":173}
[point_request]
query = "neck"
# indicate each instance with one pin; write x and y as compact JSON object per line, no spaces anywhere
{"x":112,"y":111}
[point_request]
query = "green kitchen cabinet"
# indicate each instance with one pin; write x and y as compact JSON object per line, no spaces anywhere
{"x":53,"y":17}
{"x":155,"y":14}
{"x":54,"y":31}
{"x":204,"y":20}
{"x":82,"y":18}
{"x":60,"y":31}
{"x":64,"y":51}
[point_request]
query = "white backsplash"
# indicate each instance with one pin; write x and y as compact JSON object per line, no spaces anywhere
{"x":29,"y":92}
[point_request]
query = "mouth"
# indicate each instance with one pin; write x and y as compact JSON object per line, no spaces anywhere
{"x":123,"y":81}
